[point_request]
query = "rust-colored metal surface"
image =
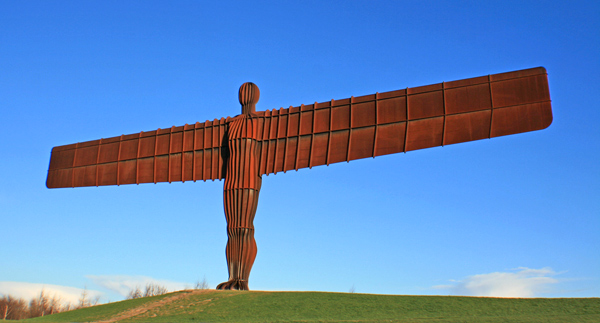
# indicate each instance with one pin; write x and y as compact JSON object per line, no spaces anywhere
{"x":242,"y":149}
{"x":241,"y":189}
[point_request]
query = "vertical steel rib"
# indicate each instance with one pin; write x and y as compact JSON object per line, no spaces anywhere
{"x":445,"y":113}
{"x":73,"y":165}
{"x":276,"y":142}
{"x":194,"y":152}
{"x":98,"y":160}
{"x":298,"y":140}
{"x":349,"y":131}
{"x":183,"y":153}
{"x":155,"y":148}
{"x":169,"y":154}
{"x":330,"y":126}
{"x":491,"y":106}
{"x":203,"y":152}
{"x":118,"y":160}
{"x":312,"y":138}
{"x":407,"y":122}
{"x":220,"y":155}
{"x":212,"y":151}
{"x":287,"y":141}
{"x":264,"y":146}
{"x":206,"y":147}
{"x":268,"y":140}
{"x":376,"y":124}
{"x":137,"y":159}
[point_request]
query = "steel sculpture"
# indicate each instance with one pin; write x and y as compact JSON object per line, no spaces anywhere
{"x":255,"y":143}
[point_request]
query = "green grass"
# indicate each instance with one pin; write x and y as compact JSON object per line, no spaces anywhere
{"x":96,"y":313}
{"x":234,"y":306}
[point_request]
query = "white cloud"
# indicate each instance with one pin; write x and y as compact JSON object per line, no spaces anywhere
{"x":122,"y":284}
{"x":521,"y":282}
{"x":28,"y":291}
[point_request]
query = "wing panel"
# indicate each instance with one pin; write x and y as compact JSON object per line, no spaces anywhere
{"x":340,"y":118}
{"x":107,"y":174}
{"x":424,"y":133}
{"x":145,"y":170}
{"x":60,"y":178}
{"x":175,"y":168}
{"x":187,"y":166}
{"x":84,"y":176}
{"x":425,"y":105}
{"x":198,"y":165}
{"x":127,"y":172}
{"x":521,"y":118}
{"x":176,"y":144}
{"x":147,"y":145}
{"x":128,"y":149}
{"x":161,"y":168}
{"x":390,"y":138}
{"x":391,"y":110}
{"x":321,"y":122}
{"x":520,"y":91}
{"x":279,"y":155}
{"x":86,"y":156}
{"x":291,"y":147}
{"x":207,"y":162}
{"x":468,"y":99}
{"x":306,"y":121}
{"x":188,"y":140}
{"x":208,"y":132}
{"x":282,"y":126}
{"x":318,"y":155}
{"x":467,"y":82}
{"x":364,"y":114}
{"x":467,"y":127}
{"x":338,"y":146}
{"x":293,"y":125}
{"x":109,"y":152}
{"x":362,"y":141}
{"x":162,"y":144}
{"x":269,"y":149}
{"x":199,"y":138}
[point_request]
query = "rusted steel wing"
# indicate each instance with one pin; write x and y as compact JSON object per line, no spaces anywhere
{"x":317,"y":134}
{"x":184,"y":153}
{"x":404,"y":120}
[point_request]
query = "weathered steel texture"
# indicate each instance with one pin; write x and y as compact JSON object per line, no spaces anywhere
{"x":318,"y":134}
{"x":405,"y":120}
{"x":185,"y":153}
{"x":243,"y":148}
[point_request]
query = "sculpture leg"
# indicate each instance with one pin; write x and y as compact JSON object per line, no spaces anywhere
{"x":240,"y":208}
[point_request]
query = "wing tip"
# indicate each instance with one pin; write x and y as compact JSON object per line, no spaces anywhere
{"x":540,"y":70}
{"x":548,"y":119}
{"x":50,"y":183}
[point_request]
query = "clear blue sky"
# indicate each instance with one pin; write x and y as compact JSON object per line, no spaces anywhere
{"x":518,"y":213}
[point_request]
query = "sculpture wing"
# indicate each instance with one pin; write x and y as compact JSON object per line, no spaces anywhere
{"x":185,"y":153}
{"x":318,"y":134}
{"x":404,"y":120}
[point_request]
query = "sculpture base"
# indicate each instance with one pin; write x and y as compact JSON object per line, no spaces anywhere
{"x":234,"y":284}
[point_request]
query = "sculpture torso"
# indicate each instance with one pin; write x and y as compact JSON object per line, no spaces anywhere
{"x":242,"y":164}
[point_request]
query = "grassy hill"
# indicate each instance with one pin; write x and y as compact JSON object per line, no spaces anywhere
{"x":256,"y":306}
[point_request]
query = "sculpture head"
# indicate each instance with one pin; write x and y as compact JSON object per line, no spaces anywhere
{"x":248,"y":96}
